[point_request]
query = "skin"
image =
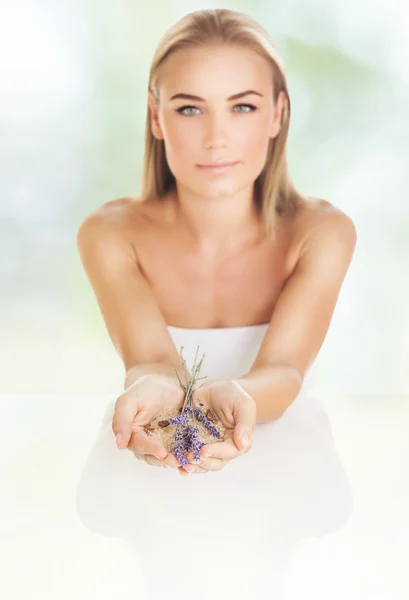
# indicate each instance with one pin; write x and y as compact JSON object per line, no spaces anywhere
{"x":208,"y":225}
{"x":216,"y":211}
{"x":309,"y":261}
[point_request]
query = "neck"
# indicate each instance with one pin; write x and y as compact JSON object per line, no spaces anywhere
{"x":219,"y":224}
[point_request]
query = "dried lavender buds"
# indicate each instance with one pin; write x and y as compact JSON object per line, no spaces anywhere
{"x":192,"y":428}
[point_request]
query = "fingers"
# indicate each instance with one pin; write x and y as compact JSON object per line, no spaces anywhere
{"x":152,"y":460}
{"x":198,"y":471}
{"x":243,"y":438}
{"x":125,"y":409}
{"x":151,"y":451}
{"x":209,"y":464}
{"x":141,"y":444}
{"x":219,"y":450}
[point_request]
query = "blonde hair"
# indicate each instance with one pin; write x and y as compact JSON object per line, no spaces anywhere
{"x":274,"y":191}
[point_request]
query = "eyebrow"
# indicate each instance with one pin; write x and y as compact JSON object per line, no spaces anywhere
{"x":199,"y":99}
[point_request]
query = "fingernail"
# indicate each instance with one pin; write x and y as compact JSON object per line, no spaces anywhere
{"x":118,"y":438}
{"x":245,"y":439}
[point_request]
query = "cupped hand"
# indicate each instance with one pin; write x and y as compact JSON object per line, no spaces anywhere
{"x":148,"y":397}
{"x":236,"y":409}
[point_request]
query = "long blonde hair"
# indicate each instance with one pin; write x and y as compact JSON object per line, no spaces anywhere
{"x":274,"y":191}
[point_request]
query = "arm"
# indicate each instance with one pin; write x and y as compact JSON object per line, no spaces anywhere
{"x":128,"y":306}
{"x":163,"y":368}
{"x":301,"y":318}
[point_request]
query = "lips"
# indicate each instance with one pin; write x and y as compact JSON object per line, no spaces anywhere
{"x":218,"y":164}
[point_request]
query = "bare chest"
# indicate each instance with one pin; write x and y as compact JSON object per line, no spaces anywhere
{"x":192,"y":292}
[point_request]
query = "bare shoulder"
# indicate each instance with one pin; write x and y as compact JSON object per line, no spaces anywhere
{"x":111,"y":228}
{"x":121,"y":215}
{"x":319,"y":218}
{"x":328,"y":240}
{"x":121,"y":209}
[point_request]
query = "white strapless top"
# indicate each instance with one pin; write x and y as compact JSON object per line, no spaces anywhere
{"x":229,"y":351}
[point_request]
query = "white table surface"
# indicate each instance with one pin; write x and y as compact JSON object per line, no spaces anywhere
{"x":46,"y":553}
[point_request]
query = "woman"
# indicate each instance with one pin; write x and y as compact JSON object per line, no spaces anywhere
{"x":212,"y":255}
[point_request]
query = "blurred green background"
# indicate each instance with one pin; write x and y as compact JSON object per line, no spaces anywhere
{"x":74,"y":78}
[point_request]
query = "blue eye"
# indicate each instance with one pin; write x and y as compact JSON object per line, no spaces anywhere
{"x":179,"y":110}
{"x":183,"y":108}
{"x":250,"y":106}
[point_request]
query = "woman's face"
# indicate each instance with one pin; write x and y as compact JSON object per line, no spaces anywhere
{"x":216,"y":128}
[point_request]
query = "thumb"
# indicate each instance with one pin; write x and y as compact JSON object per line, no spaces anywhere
{"x":241,"y":437}
{"x":244,"y":418}
{"x":125,"y":410}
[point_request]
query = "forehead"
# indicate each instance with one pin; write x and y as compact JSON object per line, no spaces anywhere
{"x":210,"y":70}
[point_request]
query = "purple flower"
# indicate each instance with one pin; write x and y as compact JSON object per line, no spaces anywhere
{"x":202,"y":417}
{"x":178,"y":447}
{"x":175,"y":420}
{"x":187,"y":436}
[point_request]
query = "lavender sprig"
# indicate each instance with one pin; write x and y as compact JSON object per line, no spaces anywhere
{"x":178,"y":446}
{"x":206,"y":422}
{"x":187,"y":436}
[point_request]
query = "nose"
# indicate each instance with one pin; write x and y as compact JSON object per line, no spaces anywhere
{"x":215,"y":133}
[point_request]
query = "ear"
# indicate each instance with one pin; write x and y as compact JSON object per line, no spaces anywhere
{"x":155,"y":125}
{"x":278,"y":111}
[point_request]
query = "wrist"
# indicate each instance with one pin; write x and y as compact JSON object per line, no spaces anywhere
{"x":157,"y":368}
{"x":237,"y":383}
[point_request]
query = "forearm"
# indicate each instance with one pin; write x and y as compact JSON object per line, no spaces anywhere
{"x":272,"y":388}
{"x":164,"y":368}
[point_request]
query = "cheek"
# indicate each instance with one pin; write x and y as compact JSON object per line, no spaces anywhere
{"x":256,"y":143}
{"x":179,"y":141}
{"x":256,"y":151}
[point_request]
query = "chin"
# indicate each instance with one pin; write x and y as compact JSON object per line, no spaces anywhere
{"x":221,"y":185}
{"x":219,"y":191}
